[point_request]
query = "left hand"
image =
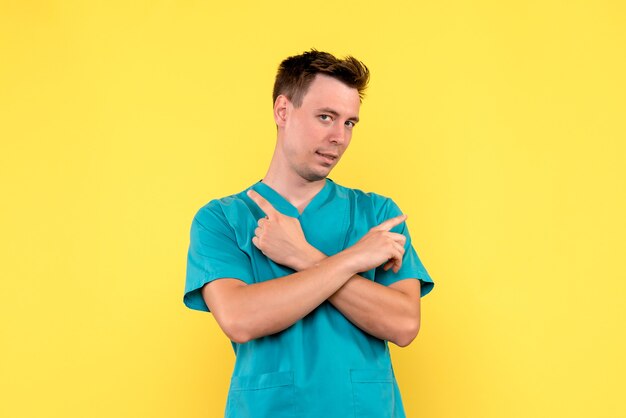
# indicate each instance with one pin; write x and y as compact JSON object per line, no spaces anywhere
{"x":280,"y":237}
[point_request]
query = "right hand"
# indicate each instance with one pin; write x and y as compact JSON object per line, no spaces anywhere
{"x":379,"y":246}
{"x":279,"y":237}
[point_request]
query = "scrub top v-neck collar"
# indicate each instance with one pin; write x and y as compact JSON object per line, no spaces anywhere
{"x":284,"y":206}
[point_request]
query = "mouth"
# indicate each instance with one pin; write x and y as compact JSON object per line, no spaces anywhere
{"x":327,"y":157}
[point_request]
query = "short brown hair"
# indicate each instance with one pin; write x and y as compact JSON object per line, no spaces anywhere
{"x":296,"y":73}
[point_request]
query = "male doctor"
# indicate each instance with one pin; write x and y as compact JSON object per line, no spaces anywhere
{"x":309,"y":279}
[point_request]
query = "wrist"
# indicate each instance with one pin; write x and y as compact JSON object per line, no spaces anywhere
{"x":309,"y":257}
{"x":347,"y":261}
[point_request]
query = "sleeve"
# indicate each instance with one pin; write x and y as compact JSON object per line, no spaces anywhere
{"x":412,"y":267}
{"x":213,"y":254}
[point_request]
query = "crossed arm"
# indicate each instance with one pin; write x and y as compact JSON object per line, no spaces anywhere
{"x":245,"y":312}
{"x":387,"y":312}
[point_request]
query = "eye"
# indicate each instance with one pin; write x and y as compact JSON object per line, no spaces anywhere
{"x":324,"y":117}
{"x":350,"y":123}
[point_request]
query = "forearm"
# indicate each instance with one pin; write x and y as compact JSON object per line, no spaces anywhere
{"x":271,"y":306}
{"x":379,"y":310}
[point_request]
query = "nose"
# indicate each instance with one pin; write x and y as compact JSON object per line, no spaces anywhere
{"x":338,"y":135}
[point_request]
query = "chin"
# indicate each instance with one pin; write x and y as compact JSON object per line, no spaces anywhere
{"x":315,"y":175}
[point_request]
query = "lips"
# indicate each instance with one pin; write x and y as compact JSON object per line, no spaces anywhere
{"x":326,"y":159}
{"x":327,"y":155}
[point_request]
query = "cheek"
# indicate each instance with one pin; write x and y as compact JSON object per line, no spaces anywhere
{"x":347,"y":140}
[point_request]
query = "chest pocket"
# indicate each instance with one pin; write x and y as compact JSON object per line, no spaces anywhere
{"x":261,"y":396}
{"x":372,"y":391}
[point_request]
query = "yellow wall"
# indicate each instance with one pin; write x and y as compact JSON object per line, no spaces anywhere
{"x":498,"y":127}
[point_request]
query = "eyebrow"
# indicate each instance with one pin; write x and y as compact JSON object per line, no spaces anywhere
{"x":335,"y":113}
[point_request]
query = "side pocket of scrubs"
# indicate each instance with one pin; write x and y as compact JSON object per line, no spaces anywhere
{"x":262,"y":395}
{"x":372,"y":390}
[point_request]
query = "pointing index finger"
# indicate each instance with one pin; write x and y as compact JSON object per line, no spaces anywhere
{"x":390,"y":223}
{"x":262,"y":203}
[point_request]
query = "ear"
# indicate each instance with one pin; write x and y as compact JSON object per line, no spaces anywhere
{"x":281,"y":109}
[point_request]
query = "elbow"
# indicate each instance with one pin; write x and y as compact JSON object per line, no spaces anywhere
{"x":224,"y":304}
{"x":237,"y":336}
{"x":235,"y":330}
{"x":239,"y":339}
{"x":408,"y":333}
{"x":230,"y":321}
{"x":232,"y":325}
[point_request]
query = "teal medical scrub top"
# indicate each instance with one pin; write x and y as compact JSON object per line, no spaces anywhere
{"x":323,"y":365}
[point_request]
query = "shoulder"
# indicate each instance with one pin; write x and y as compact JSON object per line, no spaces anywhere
{"x":219,"y":210}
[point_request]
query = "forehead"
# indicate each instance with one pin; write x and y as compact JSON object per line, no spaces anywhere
{"x":328,"y":91}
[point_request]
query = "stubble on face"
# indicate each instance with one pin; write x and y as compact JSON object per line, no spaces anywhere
{"x":306,"y":167}
{"x":308,"y":135}
{"x":311,"y":175}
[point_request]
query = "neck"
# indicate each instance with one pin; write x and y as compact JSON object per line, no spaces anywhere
{"x":289,"y":184}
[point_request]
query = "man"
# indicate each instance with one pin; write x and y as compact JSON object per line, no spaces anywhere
{"x":309,"y":279}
